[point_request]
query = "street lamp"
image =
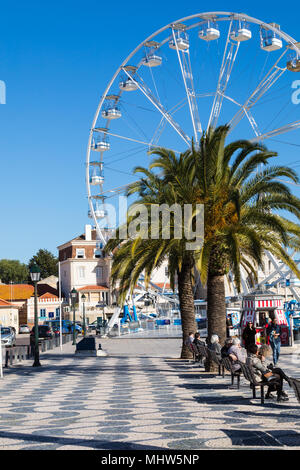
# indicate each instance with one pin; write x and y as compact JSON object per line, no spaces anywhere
{"x":83,"y":299}
{"x":35,"y":274}
{"x":73,"y":295}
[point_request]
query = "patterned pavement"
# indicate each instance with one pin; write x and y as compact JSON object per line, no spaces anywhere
{"x":139,"y":397}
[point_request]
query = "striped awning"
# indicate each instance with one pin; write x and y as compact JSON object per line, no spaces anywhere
{"x":281,"y":318}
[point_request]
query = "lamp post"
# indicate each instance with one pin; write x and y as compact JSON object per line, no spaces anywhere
{"x":73,"y":295}
{"x":83,"y":299}
{"x":35,"y":274}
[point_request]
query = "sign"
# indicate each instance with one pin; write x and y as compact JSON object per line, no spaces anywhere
{"x":284,"y":337}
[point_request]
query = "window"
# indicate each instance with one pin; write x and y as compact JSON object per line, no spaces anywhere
{"x":51,"y":314}
{"x":81,"y":272}
{"x":167,"y":272}
{"x":57,"y":312}
{"x":99,"y":272}
{"x":97,"y":253}
{"x":42,"y":313}
{"x":80,"y":253}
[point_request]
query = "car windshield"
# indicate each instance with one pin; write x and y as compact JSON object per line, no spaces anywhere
{"x":5,"y":331}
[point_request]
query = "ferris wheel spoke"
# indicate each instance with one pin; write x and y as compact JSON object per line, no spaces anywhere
{"x":229,"y":57}
{"x":188,"y":80}
{"x":162,"y":124}
{"x":147,"y":144}
{"x":149,"y":95}
{"x":264,"y":85}
{"x":281,"y":130}
{"x":253,"y":123}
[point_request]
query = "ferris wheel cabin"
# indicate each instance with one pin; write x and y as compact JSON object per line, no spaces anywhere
{"x":101,"y":145}
{"x":293,"y":65}
{"x":241,"y":32}
{"x":180,"y":39}
{"x":209,"y":32}
{"x":111,"y":113}
{"x":128,"y":85}
{"x":270,"y":41}
{"x":111,"y":110}
{"x":151,"y":59}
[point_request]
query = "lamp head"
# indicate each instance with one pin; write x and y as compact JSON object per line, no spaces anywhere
{"x":35,"y":273}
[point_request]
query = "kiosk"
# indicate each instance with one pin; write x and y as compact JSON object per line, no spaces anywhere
{"x":260,"y":307}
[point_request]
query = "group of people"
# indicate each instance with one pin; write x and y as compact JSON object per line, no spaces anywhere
{"x":273,"y":331}
{"x":252,"y":355}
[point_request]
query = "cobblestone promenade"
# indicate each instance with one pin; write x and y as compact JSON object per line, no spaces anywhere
{"x":139,"y":397}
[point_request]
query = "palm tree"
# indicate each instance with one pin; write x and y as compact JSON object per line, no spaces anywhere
{"x":241,"y":203}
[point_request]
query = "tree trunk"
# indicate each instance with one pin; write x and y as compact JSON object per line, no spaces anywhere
{"x":216,"y":307}
{"x":216,"y":311}
{"x":187,"y":310}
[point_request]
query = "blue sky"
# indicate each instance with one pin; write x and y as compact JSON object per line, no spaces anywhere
{"x":56,"y":60}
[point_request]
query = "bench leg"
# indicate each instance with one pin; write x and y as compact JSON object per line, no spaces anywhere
{"x":262,"y":394}
{"x":254,"y":392}
{"x":238,"y":381}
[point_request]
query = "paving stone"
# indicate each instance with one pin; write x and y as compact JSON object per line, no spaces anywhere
{"x":138,"y":398}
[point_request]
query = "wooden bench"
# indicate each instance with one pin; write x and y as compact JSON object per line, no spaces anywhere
{"x":228,"y":365}
{"x":202,"y":351}
{"x":193,"y":349}
{"x":295,"y":384}
{"x":250,"y":376}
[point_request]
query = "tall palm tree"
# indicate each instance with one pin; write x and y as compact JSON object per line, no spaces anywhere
{"x":241,"y":203}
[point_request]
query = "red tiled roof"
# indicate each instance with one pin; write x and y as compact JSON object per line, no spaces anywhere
{"x":88,"y":288}
{"x":4,"y":303}
{"x":16,"y":291}
{"x":48,"y":295}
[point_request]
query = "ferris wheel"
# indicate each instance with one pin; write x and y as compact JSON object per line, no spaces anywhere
{"x":199,"y":71}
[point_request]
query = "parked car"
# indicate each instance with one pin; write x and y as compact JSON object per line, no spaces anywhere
{"x":45,"y":331}
{"x":8,"y":336}
{"x":67,"y":326}
{"x":92,"y":326}
{"x":24,"y":329}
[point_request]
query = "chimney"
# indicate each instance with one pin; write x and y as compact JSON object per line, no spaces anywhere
{"x":88,"y":233}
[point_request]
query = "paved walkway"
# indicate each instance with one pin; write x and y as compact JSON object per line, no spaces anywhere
{"x":139,"y":397}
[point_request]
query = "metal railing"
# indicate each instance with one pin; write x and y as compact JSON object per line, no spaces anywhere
{"x":17,"y":354}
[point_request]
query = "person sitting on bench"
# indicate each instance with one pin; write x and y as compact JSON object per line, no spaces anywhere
{"x":273,"y":377}
{"x":214,"y":345}
{"x":236,"y":353}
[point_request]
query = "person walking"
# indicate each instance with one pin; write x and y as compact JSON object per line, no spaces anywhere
{"x":249,"y":335}
{"x":274,"y":332}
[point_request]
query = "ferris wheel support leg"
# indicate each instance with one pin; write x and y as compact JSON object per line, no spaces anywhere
{"x":187,"y":76}
{"x":228,"y":61}
{"x":265,"y":84}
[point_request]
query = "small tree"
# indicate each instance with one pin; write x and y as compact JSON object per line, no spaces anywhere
{"x":47,"y":263}
{"x":13,"y":271}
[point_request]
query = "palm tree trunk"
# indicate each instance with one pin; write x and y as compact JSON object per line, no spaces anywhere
{"x":216,"y":307}
{"x":216,"y":312}
{"x":186,"y":300}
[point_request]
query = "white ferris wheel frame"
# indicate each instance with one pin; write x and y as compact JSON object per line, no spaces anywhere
{"x":269,"y":79}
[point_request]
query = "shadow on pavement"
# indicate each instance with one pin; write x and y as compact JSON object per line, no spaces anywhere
{"x":65,"y":441}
